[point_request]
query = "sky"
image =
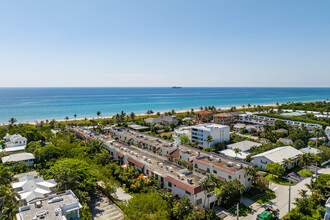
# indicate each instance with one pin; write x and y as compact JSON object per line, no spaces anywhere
{"x":151,"y":43}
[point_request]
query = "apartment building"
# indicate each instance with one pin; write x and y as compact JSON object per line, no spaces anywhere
{"x":223,"y":118}
{"x":219,"y":133}
{"x":223,"y":168}
{"x":171,"y":176}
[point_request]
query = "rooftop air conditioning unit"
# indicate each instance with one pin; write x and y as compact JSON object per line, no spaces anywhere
{"x":189,"y":180}
{"x":211,"y":158}
{"x":218,"y":159}
{"x":131,"y":152}
{"x":125,"y":149}
{"x":149,"y":160}
{"x":170,"y":169}
{"x":229,"y":164}
{"x":239,"y":166}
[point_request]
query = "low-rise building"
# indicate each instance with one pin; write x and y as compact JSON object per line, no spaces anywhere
{"x":162,"y":121}
{"x":31,"y":189}
{"x":244,"y":149}
{"x":223,"y":118}
{"x":327,"y":132}
{"x":63,"y":206}
{"x":223,"y":168}
{"x":14,"y":143}
{"x":285,"y":141}
{"x":28,"y":158}
{"x":277,"y":155}
{"x":310,"y":150}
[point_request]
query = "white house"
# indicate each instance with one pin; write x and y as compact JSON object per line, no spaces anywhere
{"x":14,"y":143}
{"x":327,"y":132}
{"x":310,"y":150}
{"x":31,"y":189}
{"x":25,"y":157}
{"x":243,"y":146}
{"x":276,"y":155}
{"x":198,"y":133}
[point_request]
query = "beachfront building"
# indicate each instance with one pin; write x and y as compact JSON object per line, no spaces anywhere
{"x":277,"y":155}
{"x":28,"y":158}
{"x":223,"y":168}
{"x":243,"y":147}
{"x":327,"y":132}
{"x":62,"y":206}
{"x":162,"y":121}
{"x":223,"y":118}
{"x":183,"y":131}
{"x":219,"y":134}
{"x":14,"y":143}
{"x":31,"y":189}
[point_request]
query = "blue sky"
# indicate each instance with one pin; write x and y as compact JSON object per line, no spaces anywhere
{"x":165,"y":43}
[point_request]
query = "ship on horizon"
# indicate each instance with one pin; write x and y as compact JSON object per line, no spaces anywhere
{"x":176,"y":87}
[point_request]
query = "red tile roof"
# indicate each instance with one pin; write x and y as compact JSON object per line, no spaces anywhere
{"x":223,"y":115}
{"x":135,"y":162}
{"x":119,"y":154}
{"x":221,"y":178}
{"x":176,"y":154}
{"x":223,"y":169}
{"x":203,"y":112}
{"x":185,"y":186}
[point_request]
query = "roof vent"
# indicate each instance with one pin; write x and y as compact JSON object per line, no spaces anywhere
{"x":218,"y":159}
{"x":229,"y":164}
{"x":189,"y":180}
{"x":239,"y":166}
{"x":210,"y":158}
{"x":149,"y":160}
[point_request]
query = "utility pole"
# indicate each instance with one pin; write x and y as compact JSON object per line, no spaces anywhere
{"x":316,"y":170}
{"x":237,"y":210}
{"x":289,"y":195}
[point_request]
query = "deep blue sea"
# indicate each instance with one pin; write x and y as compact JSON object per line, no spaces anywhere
{"x":31,"y":104}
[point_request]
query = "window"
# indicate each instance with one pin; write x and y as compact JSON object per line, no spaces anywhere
{"x":169,"y":184}
{"x":188,"y":193}
{"x":239,"y":176}
{"x":214,"y":171}
{"x":199,"y":202}
{"x":208,"y":170}
{"x":196,"y":166}
{"x":249,"y":179}
{"x":229,"y":177}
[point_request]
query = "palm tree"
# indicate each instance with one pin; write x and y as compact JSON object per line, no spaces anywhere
{"x":12,"y":121}
{"x":317,"y":133}
{"x":132,"y":115}
{"x":98,"y":114}
{"x":75,"y":116}
{"x":8,"y":202}
{"x":66,"y":118}
{"x":253,"y":172}
{"x":237,"y":151}
{"x":209,"y":139}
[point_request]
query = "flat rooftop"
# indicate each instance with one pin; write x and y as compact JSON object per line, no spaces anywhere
{"x":222,"y":163}
{"x":209,"y":126}
{"x":48,"y":205}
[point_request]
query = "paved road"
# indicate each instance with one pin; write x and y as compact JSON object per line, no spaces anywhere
{"x":282,"y":198}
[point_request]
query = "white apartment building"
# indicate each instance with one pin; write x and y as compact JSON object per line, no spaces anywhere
{"x":219,"y":133}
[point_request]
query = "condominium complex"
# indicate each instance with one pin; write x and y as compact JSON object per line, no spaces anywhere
{"x":152,"y":156}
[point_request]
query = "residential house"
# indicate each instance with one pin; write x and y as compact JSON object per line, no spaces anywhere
{"x":14,"y":143}
{"x":31,"y":189}
{"x":310,"y":150}
{"x":244,"y":149}
{"x":285,"y":141}
{"x":277,"y":155}
{"x":25,"y":157}
{"x":63,"y":206}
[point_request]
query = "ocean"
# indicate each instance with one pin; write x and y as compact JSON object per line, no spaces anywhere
{"x":32,"y":104}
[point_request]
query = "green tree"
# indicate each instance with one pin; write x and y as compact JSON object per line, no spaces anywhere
{"x":275,"y":169}
{"x":146,"y":206}
{"x":184,"y":139}
{"x":98,"y":113}
{"x":237,"y":151}
{"x":75,"y":116}
{"x":132,"y":115}
{"x":209,"y":139}
{"x":229,"y":192}
{"x":12,"y":121}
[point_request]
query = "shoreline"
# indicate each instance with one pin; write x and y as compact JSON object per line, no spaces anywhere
{"x":142,"y":114}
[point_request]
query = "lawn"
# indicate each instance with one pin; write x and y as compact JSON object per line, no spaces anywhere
{"x":277,"y":180}
{"x":306,"y":173}
{"x":259,"y":196}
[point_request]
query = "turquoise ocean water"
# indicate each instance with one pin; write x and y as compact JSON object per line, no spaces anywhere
{"x":31,"y":104}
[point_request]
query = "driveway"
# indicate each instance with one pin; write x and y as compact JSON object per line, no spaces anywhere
{"x":281,"y":201}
